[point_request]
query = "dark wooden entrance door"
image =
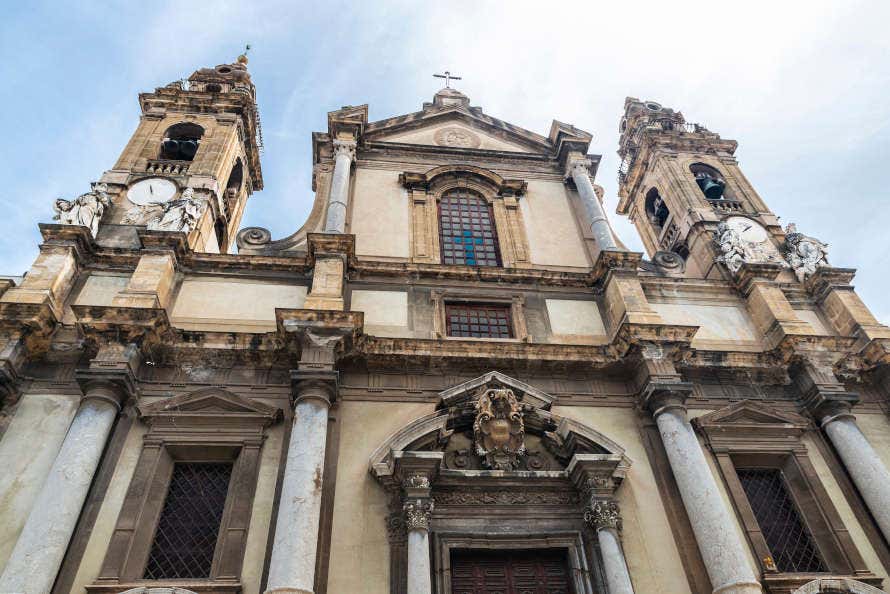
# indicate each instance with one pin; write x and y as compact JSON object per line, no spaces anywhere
{"x":537,"y":571}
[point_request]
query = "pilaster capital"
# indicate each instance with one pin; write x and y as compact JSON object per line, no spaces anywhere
{"x":344,"y":147}
{"x":603,"y":515}
{"x":417,"y":513}
{"x":659,"y":397}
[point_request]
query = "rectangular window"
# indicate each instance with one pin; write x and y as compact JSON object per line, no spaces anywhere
{"x":185,"y":539}
{"x":790,"y":543}
{"x":478,"y":320}
{"x":467,"y":231}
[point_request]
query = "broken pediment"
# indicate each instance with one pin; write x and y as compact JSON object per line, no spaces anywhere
{"x":496,"y":423}
{"x":209,"y":406}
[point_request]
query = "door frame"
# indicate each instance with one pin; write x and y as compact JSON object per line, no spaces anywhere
{"x":572,"y":542}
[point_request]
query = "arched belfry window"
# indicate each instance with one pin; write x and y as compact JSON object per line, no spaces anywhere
{"x":181,"y":142}
{"x":711,"y":182}
{"x":467,"y":230}
{"x":656,"y":209}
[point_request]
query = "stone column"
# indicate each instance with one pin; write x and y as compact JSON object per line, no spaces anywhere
{"x":578,"y":168}
{"x":604,"y":517}
{"x":417,"y":523}
{"x":338,"y":199}
{"x":292,"y":566}
{"x":41,"y":546}
{"x":860,"y":459}
{"x":723,"y":552}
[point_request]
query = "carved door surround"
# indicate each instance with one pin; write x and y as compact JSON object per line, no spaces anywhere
{"x":426,"y":189}
{"x":751,"y":434}
{"x":210,"y":425}
{"x":497,"y":470}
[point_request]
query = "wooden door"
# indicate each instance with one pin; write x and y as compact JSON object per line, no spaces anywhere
{"x":523,"y":571}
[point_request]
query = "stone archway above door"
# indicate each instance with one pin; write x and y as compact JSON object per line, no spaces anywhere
{"x":492,"y":469}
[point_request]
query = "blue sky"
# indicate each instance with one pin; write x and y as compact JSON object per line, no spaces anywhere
{"x":803,"y":86}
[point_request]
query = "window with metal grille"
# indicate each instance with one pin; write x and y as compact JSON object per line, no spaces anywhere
{"x":790,"y":543}
{"x":185,"y":539}
{"x":478,"y":320}
{"x":466,"y":229}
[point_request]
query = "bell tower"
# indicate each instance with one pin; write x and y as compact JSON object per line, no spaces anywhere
{"x":678,"y":182}
{"x":192,"y":162}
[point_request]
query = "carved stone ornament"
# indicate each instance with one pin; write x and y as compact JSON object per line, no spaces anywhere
{"x":344,"y":147}
{"x":87,"y":209}
{"x":181,"y":214}
{"x":735,"y":251}
{"x":499,"y":431}
{"x":507,"y":497}
{"x":417,"y":514}
{"x":603,"y":514}
{"x":803,"y":253}
{"x":456,"y":137}
{"x":417,"y":481}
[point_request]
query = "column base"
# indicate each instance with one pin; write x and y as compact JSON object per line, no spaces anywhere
{"x":740,"y":588}
{"x":289,"y":591}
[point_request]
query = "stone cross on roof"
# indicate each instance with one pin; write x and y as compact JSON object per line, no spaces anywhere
{"x":448,"y":78}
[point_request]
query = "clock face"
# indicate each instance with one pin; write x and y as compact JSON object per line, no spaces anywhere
{"x":153,"y":190}
{"x":750,"y":231}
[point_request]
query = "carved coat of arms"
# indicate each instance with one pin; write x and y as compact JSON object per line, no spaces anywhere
{"x":499,"y":431}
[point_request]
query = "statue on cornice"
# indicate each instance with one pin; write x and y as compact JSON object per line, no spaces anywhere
{"x":804,"y":253}
{"x":181,"y":214}
{"x":87,"y":209}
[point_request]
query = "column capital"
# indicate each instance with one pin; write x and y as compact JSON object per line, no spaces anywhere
{"x":320,"y":385}
{"x":603,"y":514}
{"x":111,"y":375}
{"x":577,"y":163}
{"x":659,"y":397}
{"x":827,"y":407}
{"x":344,"y":147}
{"x":418,"y":513}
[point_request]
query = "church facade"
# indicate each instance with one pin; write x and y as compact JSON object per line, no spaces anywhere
{"x":453,"y":379}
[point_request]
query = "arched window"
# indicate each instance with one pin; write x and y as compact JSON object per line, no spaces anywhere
{"x":656,"y":210}
{"x":466,"y":229}
{"x":710,"y":181}
{"x":181,"y":142}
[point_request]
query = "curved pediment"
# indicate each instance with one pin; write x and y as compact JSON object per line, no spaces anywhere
{"x":497,"y":423}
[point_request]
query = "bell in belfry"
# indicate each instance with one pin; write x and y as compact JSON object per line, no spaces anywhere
{"x":171,"y":147}
{"x":710,"y":186}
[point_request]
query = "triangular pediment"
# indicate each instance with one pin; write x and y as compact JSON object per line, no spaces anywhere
{"x":471,"y":389}
{"x":457,"y":128}
{"x":749,"y":412}
{"x":209,"y":403}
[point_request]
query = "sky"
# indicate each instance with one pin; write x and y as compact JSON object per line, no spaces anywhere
{"x":804,"y":87}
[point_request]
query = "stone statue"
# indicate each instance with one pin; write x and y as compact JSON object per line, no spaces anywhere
{"x":178,"y":215}
{"x":733,"y":248}
{"x":804,"y":254}
{"x":181,"y":214}
{"x":86,"y":210}
{"x":736,"y":250}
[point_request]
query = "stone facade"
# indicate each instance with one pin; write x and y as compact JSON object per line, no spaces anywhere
{"x":366,"y":441}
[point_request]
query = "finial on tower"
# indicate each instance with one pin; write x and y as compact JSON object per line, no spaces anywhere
{"x":242,"y":59}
